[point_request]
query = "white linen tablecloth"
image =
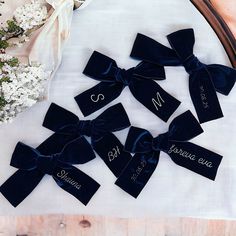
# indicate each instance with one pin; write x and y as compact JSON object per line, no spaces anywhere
{"x":110,"y":27}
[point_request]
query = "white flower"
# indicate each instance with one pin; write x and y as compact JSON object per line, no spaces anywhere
{"x":24,"y":86}
{"x":31,"y":14}
{"x":5,"y":57}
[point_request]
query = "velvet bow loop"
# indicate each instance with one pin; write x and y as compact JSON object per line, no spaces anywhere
{"x":204,"y":80}
{"x":33,"y":166}
{"x":60,"y":120}
{"x":112,"y":119}
{"x":182,"y":128}
{"x":82,"y":127}
{"x":149,"y":50}
{"x":114,"y":79}
{"x":65,"y":122}
{"x":182,"y":42}
{"x":56,"y":154}
{"x":223,"y":77}
{"x":175,"y":144}
{"x":141,"y":141}
{"x":28,"y":158}
{"x":138,"y":141}
{"x":100,"y":129}
{"x":184,"y":50}
{"x":103,"y":68}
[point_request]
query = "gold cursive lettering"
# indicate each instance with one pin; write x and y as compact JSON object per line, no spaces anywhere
{"x":158,"y":101}
{"x":96,"y":99}
{"x":64,"y":176}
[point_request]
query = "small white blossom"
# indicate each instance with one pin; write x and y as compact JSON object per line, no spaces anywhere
{"x":24,"y":87}
{"x":5,"y":57}
{"x":31,"y":14}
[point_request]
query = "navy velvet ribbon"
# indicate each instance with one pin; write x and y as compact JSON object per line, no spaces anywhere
{"x":23,"y":182}
{"x":104,"y":142}
{"x":34,"y":165}
{"x":174,"y":143}
{"x":204,"y":80}
{"x":139,"y":79}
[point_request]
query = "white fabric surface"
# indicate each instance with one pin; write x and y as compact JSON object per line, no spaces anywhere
{"x":110,"y":27}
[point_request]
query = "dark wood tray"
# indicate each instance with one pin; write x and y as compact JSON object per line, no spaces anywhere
{"x":219,"y":26}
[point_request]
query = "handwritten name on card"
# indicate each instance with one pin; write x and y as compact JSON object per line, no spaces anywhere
{"x":64,"y":176}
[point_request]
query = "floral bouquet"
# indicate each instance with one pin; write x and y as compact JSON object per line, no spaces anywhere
{"x":30,"y":16}
{"x":21,"y":86}
{"x":26,"y":19}
{"x":35,"y":26}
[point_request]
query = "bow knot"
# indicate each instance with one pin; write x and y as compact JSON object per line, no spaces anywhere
{"x":160,"y":143}
{"x":100,"y":130}
{"x":75,"y":152}
{"x":84,"y":127}
{"x":47,"y":164}
{"x":33,"y":165}
{"x":205,"y":79}
{"x":175,"y":144}
{"x":192,"y":64}
{"x":114,"y":80}
{"x":111,"y":120}
{"x":124,"y":76}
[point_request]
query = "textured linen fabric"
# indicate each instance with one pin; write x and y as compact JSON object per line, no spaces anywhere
{"x":110,"y":27}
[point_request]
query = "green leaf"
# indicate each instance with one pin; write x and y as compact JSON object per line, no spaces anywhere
{"x":1,"y":64}
{"x":4,"y":79}
{"x":3,"y":102}
{"x":4,"y":44}
{"x":12,"y":26}
{"x":2,"y":33}
{"x":13,"y":62}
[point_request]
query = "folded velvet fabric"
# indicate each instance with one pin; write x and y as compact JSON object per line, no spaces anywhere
{"x":174,"y":143}
{"x":204,"y":80}
{"x":33,"y":165}
{"x":103,"y":141}
{"x":113,"y":79}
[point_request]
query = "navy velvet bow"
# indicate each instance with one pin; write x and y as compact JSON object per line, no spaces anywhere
{"x":204,"y":80}
{"x":23,"y":182}
{"x":174,"y":143}
{"x":59,"y":166}
{"x":104,"y":142}
{"x":139,"y":79}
